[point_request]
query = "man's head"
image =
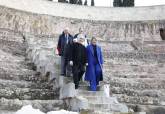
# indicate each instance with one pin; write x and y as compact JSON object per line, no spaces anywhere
{"x":93,"y":41}
{"x":66,"y":30}
{"x":81,"y":38}
{"x":80,"y":30}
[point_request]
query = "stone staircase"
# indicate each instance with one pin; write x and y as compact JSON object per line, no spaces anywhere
{"x":41,"y":51}
{"x":19,"y":84}
{"x":29,"y":68}
{"x":98,"y":102}
{"x":90,"y":102}
{"x":30,"y":75}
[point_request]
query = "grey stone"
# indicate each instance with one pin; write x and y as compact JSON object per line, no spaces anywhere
{"x":67,"y":91}
{"x":139,"y":113}
{"x":77,"y":103}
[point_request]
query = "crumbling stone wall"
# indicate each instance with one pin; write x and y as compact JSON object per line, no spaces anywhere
{"x":107,"y":30}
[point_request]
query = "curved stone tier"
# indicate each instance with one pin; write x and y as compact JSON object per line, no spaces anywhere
{"x":133,"y":52}
{"x":19,"y":84}
{"x":110,"y":30}
{"x":90,"y":13}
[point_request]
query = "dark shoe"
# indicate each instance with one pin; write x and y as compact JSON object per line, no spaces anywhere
{"x":63,"y":75}
{"x":76,"y":86}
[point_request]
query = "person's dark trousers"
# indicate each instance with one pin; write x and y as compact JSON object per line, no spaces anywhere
{"x":63,"y":66}
{"x":77,"y":75}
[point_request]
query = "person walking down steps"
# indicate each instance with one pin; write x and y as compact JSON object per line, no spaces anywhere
{"x":78,"y":59}
{"x":64,"y":39}
{"x":81,"y":32}
{"x":94,"y":72}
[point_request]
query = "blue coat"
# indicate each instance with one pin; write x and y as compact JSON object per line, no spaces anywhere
{"x":90,"y":71}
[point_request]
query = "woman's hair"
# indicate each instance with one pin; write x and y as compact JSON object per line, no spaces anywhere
{"x":93,"y":38}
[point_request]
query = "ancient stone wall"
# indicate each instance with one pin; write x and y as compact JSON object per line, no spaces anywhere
{"x":107,"y":30}
{"x":85,"y":12}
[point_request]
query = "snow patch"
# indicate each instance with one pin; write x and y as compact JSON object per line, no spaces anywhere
{"x":62,"y":112}
{"x":30,"y":110}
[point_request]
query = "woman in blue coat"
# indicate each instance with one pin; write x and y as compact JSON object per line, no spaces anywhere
{"x":95,"y":64}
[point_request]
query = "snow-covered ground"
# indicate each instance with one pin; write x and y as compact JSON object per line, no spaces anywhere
{"x":30,"y":110}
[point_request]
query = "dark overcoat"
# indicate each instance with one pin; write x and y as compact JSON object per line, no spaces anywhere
{"x":62,"y":43}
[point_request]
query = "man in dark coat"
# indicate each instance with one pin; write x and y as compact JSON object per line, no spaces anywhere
{"x":162,"y":33}
{"x":78,"y":59}
{"x":81,"y":32}
{"x":95,"y":64}
{"x":64,"y":39}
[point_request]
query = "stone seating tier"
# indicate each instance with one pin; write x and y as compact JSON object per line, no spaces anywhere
{"x":135,"y":61}
{"x":127,"y":90}
{"x":19,"y":84}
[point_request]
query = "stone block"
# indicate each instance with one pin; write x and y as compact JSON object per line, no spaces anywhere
{"x":67,"y":91}
{"x":86,"y":111}
{"x":78,"y":103}
{"x":139,"y":113}
{"x":119,"y":108}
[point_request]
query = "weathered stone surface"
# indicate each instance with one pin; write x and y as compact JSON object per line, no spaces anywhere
{"x":6,"y":112}
{"x":18,"y":80}
{"x":67,"y":91}
{"x":91,"y":13}
{"x":106,"y":30}
{"x":145,"y":89}
{"x":78,"y":103}
{"x":44,"y":105}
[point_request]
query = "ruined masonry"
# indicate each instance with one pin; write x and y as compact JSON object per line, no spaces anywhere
{"x":134,"y":58}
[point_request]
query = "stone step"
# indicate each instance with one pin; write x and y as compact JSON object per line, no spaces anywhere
{"x":116,"y":46}
{"x":27,"y":93}
{"x":122,"y":46}
{"x":101,"y":99}
{"x":149,"y":109}
{"x":86,"y":87}
{"x":132,"y":62}
{"x":89,"y":93}
{"x":143,"y":100}
{"x":155,"y":93}
{"x":43,"y":105}
{"x":154,"y":42}
{"x":11,"y":38}
{"x":7,"y":112}
{"x":99,"y":112}
{"x":123,"y":58}
{"x":105,"y":107}
{"x":18,"y":77}
{"x":141,"y":80}
{"x":23,"y":84}
{"x":136,"y":75}
{"x":135,"y":55}
{"x":103,"y":112}
{"x":126,"y":69}
{"x":134,"y":84}
{"x":156,"y":47}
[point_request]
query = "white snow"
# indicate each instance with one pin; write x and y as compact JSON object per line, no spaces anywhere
{"x":62,"y":112}
{"x":30,"y":110}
